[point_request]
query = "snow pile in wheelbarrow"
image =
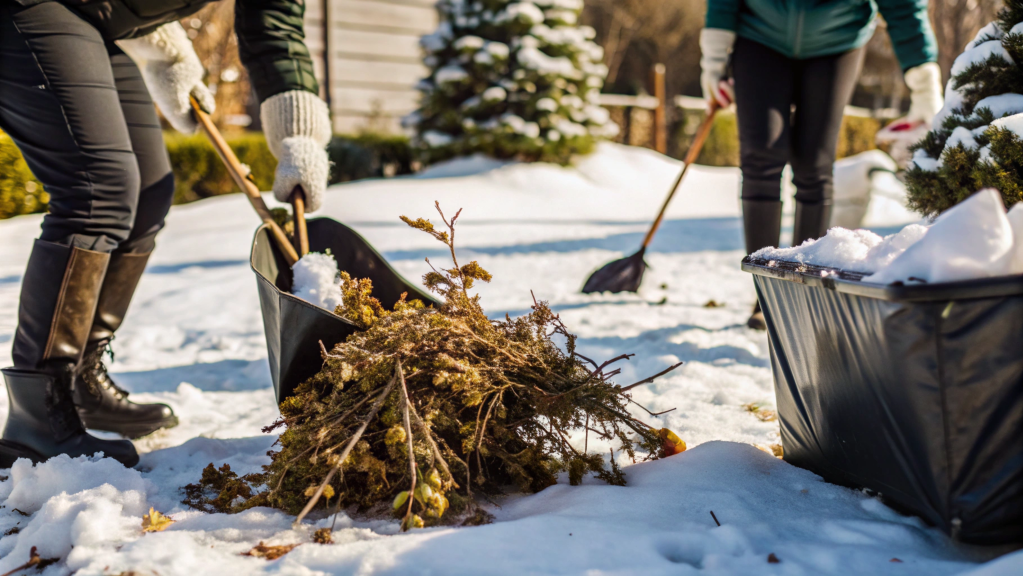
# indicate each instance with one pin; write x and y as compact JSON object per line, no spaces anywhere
{"x":317,"y":280}
{"x":974,"y":239}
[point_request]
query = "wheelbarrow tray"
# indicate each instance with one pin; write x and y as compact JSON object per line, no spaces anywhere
{"x":912,"y":391}
{"x":295,"y":328}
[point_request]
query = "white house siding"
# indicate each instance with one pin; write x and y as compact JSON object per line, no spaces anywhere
{"x":375,"y":60}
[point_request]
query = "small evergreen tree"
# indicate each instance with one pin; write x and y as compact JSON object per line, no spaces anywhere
{"x":510,"y":79}
{"x":977,"y":140}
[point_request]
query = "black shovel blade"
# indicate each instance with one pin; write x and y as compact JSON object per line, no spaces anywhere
{"x":623,"y":275}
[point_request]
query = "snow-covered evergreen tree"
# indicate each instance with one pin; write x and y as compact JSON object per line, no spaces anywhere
{"x":510,"y":79}
{"x":977,"y":138}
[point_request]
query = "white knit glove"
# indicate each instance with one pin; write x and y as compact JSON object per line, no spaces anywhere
{"x":716,"y":46}
{"x":925,"y":94}
{"x":297,"y":128}
{"x":172,"y":72}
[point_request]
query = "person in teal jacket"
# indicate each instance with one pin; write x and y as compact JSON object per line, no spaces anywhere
{"x":794,"y":65}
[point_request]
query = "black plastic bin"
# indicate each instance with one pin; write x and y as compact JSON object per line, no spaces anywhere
{"x":913,"y":391}
{"x":294,"y":328}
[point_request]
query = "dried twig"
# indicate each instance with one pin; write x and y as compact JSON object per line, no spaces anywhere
{"x":652,"y":378}
{"x":348,"y":449}
{"x":411,"y":453}
{"x":33,"y":561}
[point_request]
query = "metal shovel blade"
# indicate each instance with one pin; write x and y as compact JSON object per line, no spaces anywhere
{"x":623,"y":275}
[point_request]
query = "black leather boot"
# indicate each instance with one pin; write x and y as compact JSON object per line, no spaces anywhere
{"x":101,"y":403}
{"x":42,"y":422}
{"x":762,"y":226}
{"x":811,"y":221}
{"x":761,"y":223}
{"x":58,"y":301}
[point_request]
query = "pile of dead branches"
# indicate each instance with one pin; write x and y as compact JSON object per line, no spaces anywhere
{"x":425,"y":407}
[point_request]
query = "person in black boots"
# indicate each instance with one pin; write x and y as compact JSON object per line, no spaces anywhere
{"x":794,"y":67}
{"x":78,"y":81}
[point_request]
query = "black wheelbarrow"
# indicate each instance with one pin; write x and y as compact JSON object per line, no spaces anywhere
{"x":294,"y":328}
{"x":912,"y":391}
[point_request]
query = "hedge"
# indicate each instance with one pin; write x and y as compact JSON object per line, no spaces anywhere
{"x":199,"y":173}
{"x":20,"y":192}
{"x":722,"y":146}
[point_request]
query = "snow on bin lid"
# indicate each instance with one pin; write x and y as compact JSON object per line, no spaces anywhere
{"x":975,"y":239}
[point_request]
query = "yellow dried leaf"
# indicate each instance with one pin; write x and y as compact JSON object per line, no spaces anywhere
{"x":328,"y":491}
{"x":155,"y":522}
{"x":323,"y":536}
{"x":670,"y":442}
{"x":269,"y":552}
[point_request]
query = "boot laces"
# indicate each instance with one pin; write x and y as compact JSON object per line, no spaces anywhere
{"x":95,"y":371}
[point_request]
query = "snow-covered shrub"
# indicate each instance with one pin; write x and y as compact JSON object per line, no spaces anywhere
{"x":510,"y":79}
{"x":977,"y":138}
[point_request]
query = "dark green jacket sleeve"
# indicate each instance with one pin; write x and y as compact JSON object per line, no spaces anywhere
{"x":723,"y":14}
{"x":272,"y":48}
{"x":909,"y":28}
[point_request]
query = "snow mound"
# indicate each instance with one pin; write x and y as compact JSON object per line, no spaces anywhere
{"x":974,"y":239}
{"x":316,"y":280}
{"x":76,"y":507}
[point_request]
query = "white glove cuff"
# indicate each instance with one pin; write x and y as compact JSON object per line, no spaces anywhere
{"x":715,"y":47}
{"x":924,"y":82}
{"x":294,"y":113}
{"x":168,"y":43}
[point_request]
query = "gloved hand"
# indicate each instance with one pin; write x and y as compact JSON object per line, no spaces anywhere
{"x":172,"y":72}
{"x":297,"y":128}
{"x":926,"y":99}
{"x":716,"y":46}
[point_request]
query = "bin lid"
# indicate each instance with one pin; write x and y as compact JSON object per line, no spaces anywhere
{"x":851,"y":282}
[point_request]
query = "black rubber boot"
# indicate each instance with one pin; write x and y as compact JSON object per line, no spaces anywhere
{"x":58,"y":301}
{"x":42,"y":422}
{"x":101,"y":403}
{"x":811,"y":221}
{"x":761,"y":222}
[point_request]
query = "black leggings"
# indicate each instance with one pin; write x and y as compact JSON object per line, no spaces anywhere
{"x":768,"y":86}
{"x":78,"y":110}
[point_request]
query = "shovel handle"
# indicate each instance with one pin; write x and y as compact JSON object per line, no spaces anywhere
{"x":691,"y":155}
{"x":301,"y":232}
{"x":241,"y":177}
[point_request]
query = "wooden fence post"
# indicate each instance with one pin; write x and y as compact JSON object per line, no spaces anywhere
{"x":660,"y":120}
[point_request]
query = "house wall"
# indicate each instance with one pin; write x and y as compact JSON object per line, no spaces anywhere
{"x":375,"y":59}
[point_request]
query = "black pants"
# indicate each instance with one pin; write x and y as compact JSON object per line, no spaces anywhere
{"x":78,"y":110}
{"x":768,"y":86}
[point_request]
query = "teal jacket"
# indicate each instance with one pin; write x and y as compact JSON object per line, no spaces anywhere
{"x":809,"y":28}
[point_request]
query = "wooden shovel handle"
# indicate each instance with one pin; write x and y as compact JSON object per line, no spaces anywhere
{"x":691,"y":155}
{"x":301,"y":232}
{"x":241,"y":177}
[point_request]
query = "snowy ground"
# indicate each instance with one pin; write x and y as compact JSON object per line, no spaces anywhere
{"x":194,"y":339}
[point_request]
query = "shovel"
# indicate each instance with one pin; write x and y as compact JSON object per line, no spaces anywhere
{"x":626,"y":274}
{"x":242,"y":176}
{"x":297,"y":332}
